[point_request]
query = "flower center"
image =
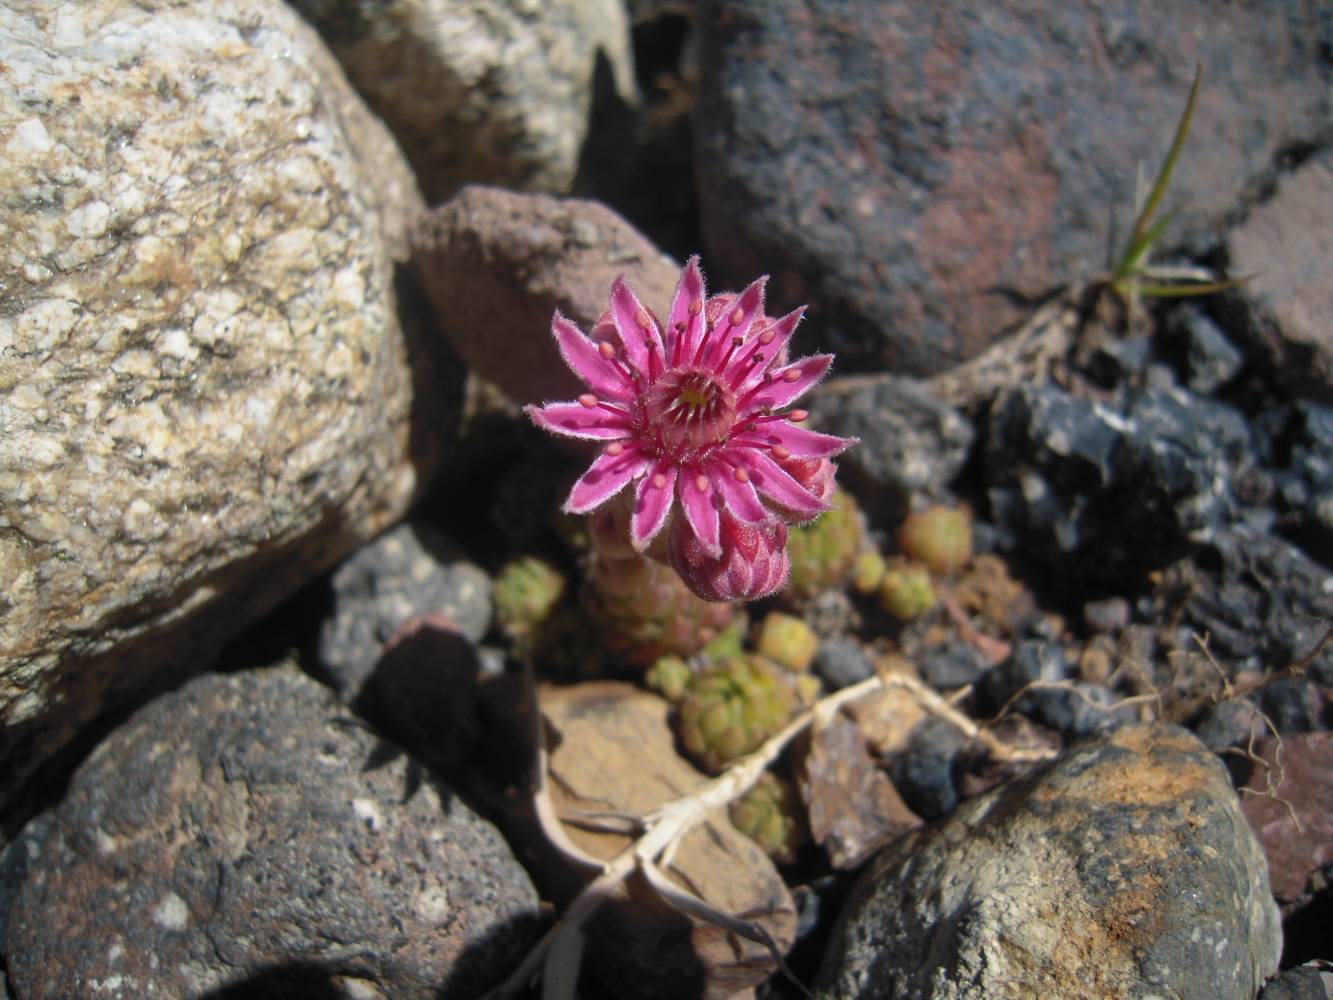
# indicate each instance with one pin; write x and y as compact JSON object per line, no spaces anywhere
{"x":687,"y":410}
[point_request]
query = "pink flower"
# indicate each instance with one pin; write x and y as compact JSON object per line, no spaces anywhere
{"x":697,"y":413}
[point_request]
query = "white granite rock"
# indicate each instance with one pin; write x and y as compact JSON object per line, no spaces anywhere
{"x":497,"y":91}
{"x":205,"y":395}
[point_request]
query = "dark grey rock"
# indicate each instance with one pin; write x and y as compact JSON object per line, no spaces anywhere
{"x":1262,"y":602}
{"x":1107,"y":493}
{"x":422,"y":694}
{"x":913,"y":444}
{"x":1312,"y":981}
{"x":1125,"y":869}
{"x":920,"y":173}
{"x":1293,"y":704}
{"x":1231,"y":723}
{"x":408,"y":573}
{"x":1076,"y":711}
{"x":1121,"y":359}
{"x":1305,"y":482}
{"x":1030,"y":662}
{"x":1209,"y":360}
{"x":15,"y":859}
{"x":246,"y":824}
{"x":1107,"y":614}
{"x":925,"y":774}
{"x":952,"y":665}
{"x":842,"y":662}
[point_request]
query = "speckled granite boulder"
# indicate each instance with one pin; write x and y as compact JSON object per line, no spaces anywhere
{"x":481,"y":90}
{"x":1125,"y":869}
{"x":245,"y":828}
{"x":919,"y":173}
{"x":205,"y":392}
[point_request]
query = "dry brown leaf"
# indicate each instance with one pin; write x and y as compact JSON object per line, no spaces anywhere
{"x":613,"y":752}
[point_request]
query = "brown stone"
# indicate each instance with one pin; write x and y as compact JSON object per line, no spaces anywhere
{"x":1289,"y":803}
{"x":497,"y":264}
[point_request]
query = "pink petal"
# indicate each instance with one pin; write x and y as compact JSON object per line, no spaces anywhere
{"x":578,"y":421}
{"x":684,"y":329}
{"x":782,"y":333}
{"x":700,"y":506}
{"x":750,"y":304}
{"x":652,"y":503}
{"x":639,"y":340}
{"x":586,"y":361}
{"x":777,"y":392}
{"x":799,"y":442}
{"x":739,"y":496}
{"x":606,"y":477}
{"x":773,"y":481}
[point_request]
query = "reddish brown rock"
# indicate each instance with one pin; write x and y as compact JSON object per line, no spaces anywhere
{"x":497,"y":264}
{"x":1285,"y":245}
{"x":1289,"y":803}
{"x":853,"y":807}
{"x":919,"y":173}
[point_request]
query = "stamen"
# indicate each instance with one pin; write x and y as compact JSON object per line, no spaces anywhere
{"x":654,"y":363}
{"x":658,"y":480}
{"x":588,"y":401}
{"x":736,"y":316}
{"x":765,"y":415}
{"x":701,"y":483}
{"x":608,"y":351}
{"x":746,"y":365}
{"x":740,"y":475}
{"x":615,"y":448}
{"x":764,"y":383}
{"x":735,"y":343}
{"x":781,"y":452}
{"x":796,"y":416}
{"x":704,"y":342}
{"x":791,"y":375}
{"x":696,"y":307}
{"x":641,"y":318}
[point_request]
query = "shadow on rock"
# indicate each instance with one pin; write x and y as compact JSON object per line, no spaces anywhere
{"x":422,"y":695}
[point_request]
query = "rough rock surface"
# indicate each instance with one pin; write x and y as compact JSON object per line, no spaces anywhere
{"x":480,"y":90}
{"x":204,"y":389}
{"x":1284,"y":245}
{"x":1290,"y":807}
{"x":1261,"y":601}
{"x":1108,"y":491}
{"x":912,"y":442}
{"x":496,"y":264}
{"x":918,"y":172}
{"x":1125,"y":869}
{"x":236,"y":832}
{"x":410,"y":572}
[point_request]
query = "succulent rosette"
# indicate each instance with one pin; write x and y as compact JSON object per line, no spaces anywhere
{"x":696,"y":415}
